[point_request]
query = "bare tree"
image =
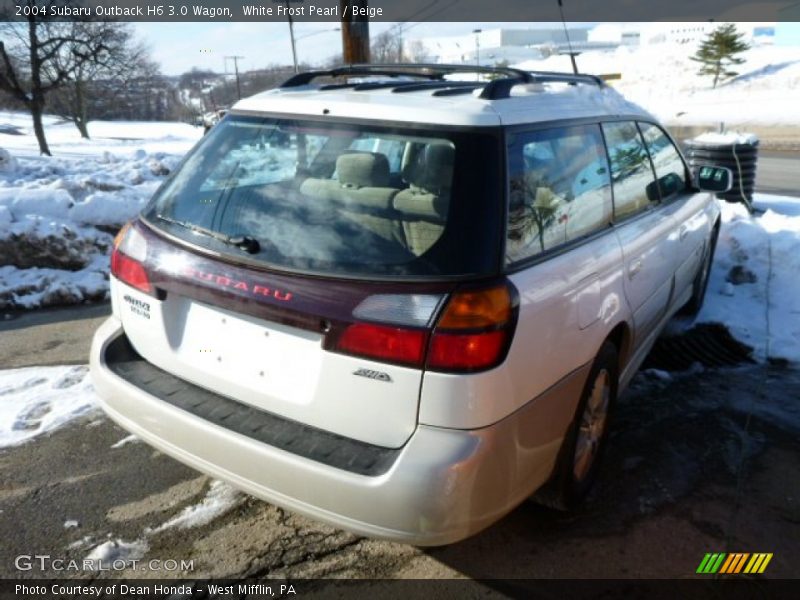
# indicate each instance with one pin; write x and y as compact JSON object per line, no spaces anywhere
{"x":417,"y":51}
{"x":387,"y":47}
{"x":107,"y":62}
{"x":38,"y":56}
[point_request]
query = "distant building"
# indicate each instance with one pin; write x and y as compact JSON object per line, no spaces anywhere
{"x":492,"y":46}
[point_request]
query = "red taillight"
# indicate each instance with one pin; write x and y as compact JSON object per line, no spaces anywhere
{"x":395,"y":344}
{"x":129,"y":271}
{"x":125,"y":267}
{"x":474,"y":331}
{"x":471,"y":351}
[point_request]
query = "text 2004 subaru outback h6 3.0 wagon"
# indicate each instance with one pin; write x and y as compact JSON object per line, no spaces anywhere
{"x":401,"y":303}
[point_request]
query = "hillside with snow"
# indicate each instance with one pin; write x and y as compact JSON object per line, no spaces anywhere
{"x":663,"y":79}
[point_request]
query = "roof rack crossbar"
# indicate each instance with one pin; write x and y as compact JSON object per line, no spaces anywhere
{"x":431,"y":71}
{"x":377,"y":85}
{"x":568,"y":77}
{"x":455,"y":91}
{"x":336,"y":86}
{"x":437,"y":85}
{"x":365,"y":86}
{"x":434,"y":74}
{"x":501,"y":88}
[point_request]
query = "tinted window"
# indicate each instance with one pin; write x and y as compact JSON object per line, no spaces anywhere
{"x":669,"y":166}
{"x":631,"y":172}
{"x":339,"y":199}
{"x":559,"y":189}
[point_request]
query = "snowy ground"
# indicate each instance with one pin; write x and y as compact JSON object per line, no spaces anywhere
{"x":38,"y":400}
{"x":762,"y":254}
{"x":220,"y":499}
{"x":57,"y":213}
{"x":662,"y":79}
{"x":121,"y":138}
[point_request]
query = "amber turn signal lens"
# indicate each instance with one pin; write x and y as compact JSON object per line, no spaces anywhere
{"x":121,"y":235}
{"x":484,"y":308}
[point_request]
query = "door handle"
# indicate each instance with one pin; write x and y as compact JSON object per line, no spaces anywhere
{"x":684,"y":231}
{"x":634,"y":268}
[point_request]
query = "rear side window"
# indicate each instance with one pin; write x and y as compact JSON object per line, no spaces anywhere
{"x":339,"y":199}
{"x":631,"y":171}
{"x":560,"y":189}
{"x":667,"y":161}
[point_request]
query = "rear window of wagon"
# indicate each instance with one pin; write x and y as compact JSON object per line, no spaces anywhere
{"x":341,"y":199}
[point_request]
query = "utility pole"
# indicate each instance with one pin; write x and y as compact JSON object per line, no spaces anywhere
{"x":235,"y":60}
{"x":477,"y":33}
{"x":355,"y":32}
{"x":291,"y":36}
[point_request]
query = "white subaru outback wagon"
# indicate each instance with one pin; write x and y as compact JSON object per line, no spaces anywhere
{"x":403,"y":303}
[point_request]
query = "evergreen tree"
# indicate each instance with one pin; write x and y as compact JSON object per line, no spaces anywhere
{"x":718,"y":52}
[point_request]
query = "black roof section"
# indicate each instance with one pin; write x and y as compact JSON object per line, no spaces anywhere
{"x":414,"y":77}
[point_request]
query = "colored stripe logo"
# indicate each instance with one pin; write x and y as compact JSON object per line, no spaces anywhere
{"x":736,"y":562}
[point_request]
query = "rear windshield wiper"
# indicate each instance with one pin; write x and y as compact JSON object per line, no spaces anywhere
{"x":247,"y":243}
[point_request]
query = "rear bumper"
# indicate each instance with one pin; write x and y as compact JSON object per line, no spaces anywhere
{"x":442,"y":486}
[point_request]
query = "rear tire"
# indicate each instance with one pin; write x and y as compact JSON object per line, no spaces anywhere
{"x":581,"y":453}
{"x":695,"y":303}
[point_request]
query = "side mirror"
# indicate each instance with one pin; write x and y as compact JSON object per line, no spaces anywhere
{"x":714,"y":179}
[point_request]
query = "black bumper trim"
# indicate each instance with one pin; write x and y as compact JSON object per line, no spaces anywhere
{"x":305,"y":441}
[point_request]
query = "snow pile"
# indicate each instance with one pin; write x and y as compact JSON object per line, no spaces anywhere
{"x":106,"y":190}
{"x":220,"y":499}
{"x":8,"y":164}
{"x":37,"y":287}
{"x":58,"y":214}
{"x":664,"y":80}
{"x":38,"y":400}
{"x":110,"y":552}
{"x":125,"y":441}
{"x":726,"y":139}
{"x":754,"y":288}
{"x":35,"y":241}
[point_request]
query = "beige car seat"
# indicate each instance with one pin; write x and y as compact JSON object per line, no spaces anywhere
{"x":362,"y":191}
{"x":423,"y":207}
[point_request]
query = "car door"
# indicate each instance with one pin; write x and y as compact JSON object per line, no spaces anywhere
{"x":645,"y":231}
{"x":561,"y":252}
{"x":684,"y":206}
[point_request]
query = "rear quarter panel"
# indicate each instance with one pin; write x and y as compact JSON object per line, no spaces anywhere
{"x":568,"y":305}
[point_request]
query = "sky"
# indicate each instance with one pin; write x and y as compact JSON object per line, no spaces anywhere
{"x":181,"y":46}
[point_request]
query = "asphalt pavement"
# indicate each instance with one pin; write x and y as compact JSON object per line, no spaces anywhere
{"x":778,"y":173}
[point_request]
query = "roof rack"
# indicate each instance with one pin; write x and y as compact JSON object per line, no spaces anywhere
{"x":497,"y":88}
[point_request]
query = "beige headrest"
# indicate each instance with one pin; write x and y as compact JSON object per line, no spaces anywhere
{"x":431,"y":168}
{"x":363,"y":169}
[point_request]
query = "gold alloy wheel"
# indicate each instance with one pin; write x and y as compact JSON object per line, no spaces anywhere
{"x":592,"y":425}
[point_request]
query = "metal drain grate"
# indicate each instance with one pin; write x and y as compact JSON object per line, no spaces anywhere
{"x":710,"y":344}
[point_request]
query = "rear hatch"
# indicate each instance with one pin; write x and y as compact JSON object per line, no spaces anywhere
{"x":301,"y":267}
